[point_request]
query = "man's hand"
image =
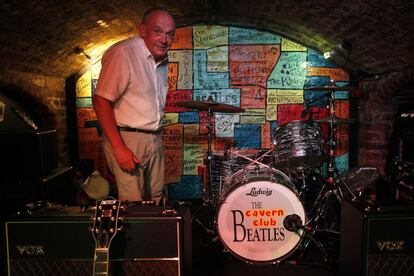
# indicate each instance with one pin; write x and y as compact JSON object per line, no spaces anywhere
{"x":126,"y":160}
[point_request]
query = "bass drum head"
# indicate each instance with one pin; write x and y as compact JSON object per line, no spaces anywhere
{"x":250,"y":221}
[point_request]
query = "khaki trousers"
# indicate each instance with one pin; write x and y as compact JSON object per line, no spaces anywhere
{"x":146,"y":182}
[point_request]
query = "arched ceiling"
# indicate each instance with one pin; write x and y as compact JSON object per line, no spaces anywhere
{"x":42,"y":36}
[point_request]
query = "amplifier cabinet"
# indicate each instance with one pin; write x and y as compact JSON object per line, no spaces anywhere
{"x":377,"y":241}
{"x":59,"y":242}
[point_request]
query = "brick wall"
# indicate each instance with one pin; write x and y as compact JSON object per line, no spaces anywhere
{"x":50,"y":92}
{"x":377,"y":114}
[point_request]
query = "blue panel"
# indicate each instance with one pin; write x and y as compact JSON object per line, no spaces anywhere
{"x":342,"y":95}
{"x":342,"y":162}
{"x":190,"y":117}
{"x":251,"y":36}
{"x":316,"y":98}
{"x":204,"y":79}
{"x":83,"y":102}
{"x":95,"y":124}
{"x":247,"y":136}
{"x":273,"y":127}
{"x":189,"y":188}
{"x":289,"y":72}
{"x":316,"y":81}
{"x":317,"y":60}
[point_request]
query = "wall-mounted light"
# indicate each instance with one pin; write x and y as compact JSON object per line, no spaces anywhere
{"x":102,"y":23}
{"x":81,"y":51}
{"x":341,"y":47}
{"x":328,"y":54}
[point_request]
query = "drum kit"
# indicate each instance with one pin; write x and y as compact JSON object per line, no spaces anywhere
{"x":258,"y":211}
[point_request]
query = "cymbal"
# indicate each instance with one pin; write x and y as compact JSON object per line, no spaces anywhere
{"x":210,"y":105}
{"x":335,"y":120}
{"x":359,"y":179}
{"x":330,"y":88}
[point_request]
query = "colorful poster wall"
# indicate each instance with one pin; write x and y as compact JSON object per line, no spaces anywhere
{"x":262,"y":72}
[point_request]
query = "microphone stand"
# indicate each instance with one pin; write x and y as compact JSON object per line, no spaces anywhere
{"x":293,"y":223}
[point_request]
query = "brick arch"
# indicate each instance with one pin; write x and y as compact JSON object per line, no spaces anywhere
{"x":378,"y":110}
{"x":38,"y":111}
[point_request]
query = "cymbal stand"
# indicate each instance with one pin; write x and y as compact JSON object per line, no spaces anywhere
{"x":330,"y":189}
{"x":325,"y":218}
{"x":206,"y":191}
{"x":307,"y":111}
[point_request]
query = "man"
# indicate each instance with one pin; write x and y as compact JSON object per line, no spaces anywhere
{"x":129,"y":103}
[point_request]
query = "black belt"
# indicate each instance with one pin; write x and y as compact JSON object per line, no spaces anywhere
{"x":131,"y":129}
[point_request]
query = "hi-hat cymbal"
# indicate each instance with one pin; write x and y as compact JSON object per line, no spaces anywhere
{"x":210,"y":105}
{"x":335,"y":120}
{"x":330,"y":88}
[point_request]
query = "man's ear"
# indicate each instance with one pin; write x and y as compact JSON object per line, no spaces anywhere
{"x":141,"y":29}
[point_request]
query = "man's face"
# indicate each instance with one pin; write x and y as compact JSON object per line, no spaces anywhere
{"x":158,"y":33}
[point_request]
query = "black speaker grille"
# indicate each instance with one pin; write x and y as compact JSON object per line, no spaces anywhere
{"x":50,"y":267}
{"x":70,"y":267}
{"x":150,"y":268}
{"x":395,"y":265}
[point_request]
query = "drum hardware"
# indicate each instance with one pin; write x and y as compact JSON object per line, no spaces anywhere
{"x":293,"y":223}
{"x":304,"y":186}
{"x":335,"y":120}
{"x":324,"y":214}
{"x":358,"y":181}
{"x":210,"y":106}
{"x":307,"y":111}
{"x":254,"y":161}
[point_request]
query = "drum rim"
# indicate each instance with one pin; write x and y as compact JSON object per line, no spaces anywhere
{"x":247,"y":180}
{"x":273,"y":261}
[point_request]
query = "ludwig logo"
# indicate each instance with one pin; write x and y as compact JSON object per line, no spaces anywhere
{"x":31,"y":250}
{"x":260,"y":191}
{"x":390,"y":245}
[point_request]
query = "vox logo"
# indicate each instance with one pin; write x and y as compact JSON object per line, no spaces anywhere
{"x":391,"y":245}
{"x":31,"y":250}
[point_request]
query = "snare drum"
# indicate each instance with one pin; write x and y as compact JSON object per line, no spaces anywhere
{"x":250,"y":217}
{"x":299,"y":144}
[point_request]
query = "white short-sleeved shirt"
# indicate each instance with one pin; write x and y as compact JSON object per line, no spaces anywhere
{"x":135,"y":83}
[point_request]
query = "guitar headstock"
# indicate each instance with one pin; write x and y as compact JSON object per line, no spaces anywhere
{"x":106,"y":221}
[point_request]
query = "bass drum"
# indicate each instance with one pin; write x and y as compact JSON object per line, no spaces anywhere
{"x":250,"y":217}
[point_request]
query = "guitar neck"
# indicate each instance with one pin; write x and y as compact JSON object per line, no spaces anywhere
{"x":104,"y":228}
{"x":101,"y":262}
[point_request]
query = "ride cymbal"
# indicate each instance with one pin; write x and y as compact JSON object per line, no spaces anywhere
{"x":335,"y":120}
{"x":330,"y":88}
{"x":210,"y":105}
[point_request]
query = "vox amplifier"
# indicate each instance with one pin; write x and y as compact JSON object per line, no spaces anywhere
{"x":57,"y":241}
{"x":377,"y":240}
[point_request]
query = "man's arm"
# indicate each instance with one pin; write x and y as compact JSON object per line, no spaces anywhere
{"x":127,"y":161}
